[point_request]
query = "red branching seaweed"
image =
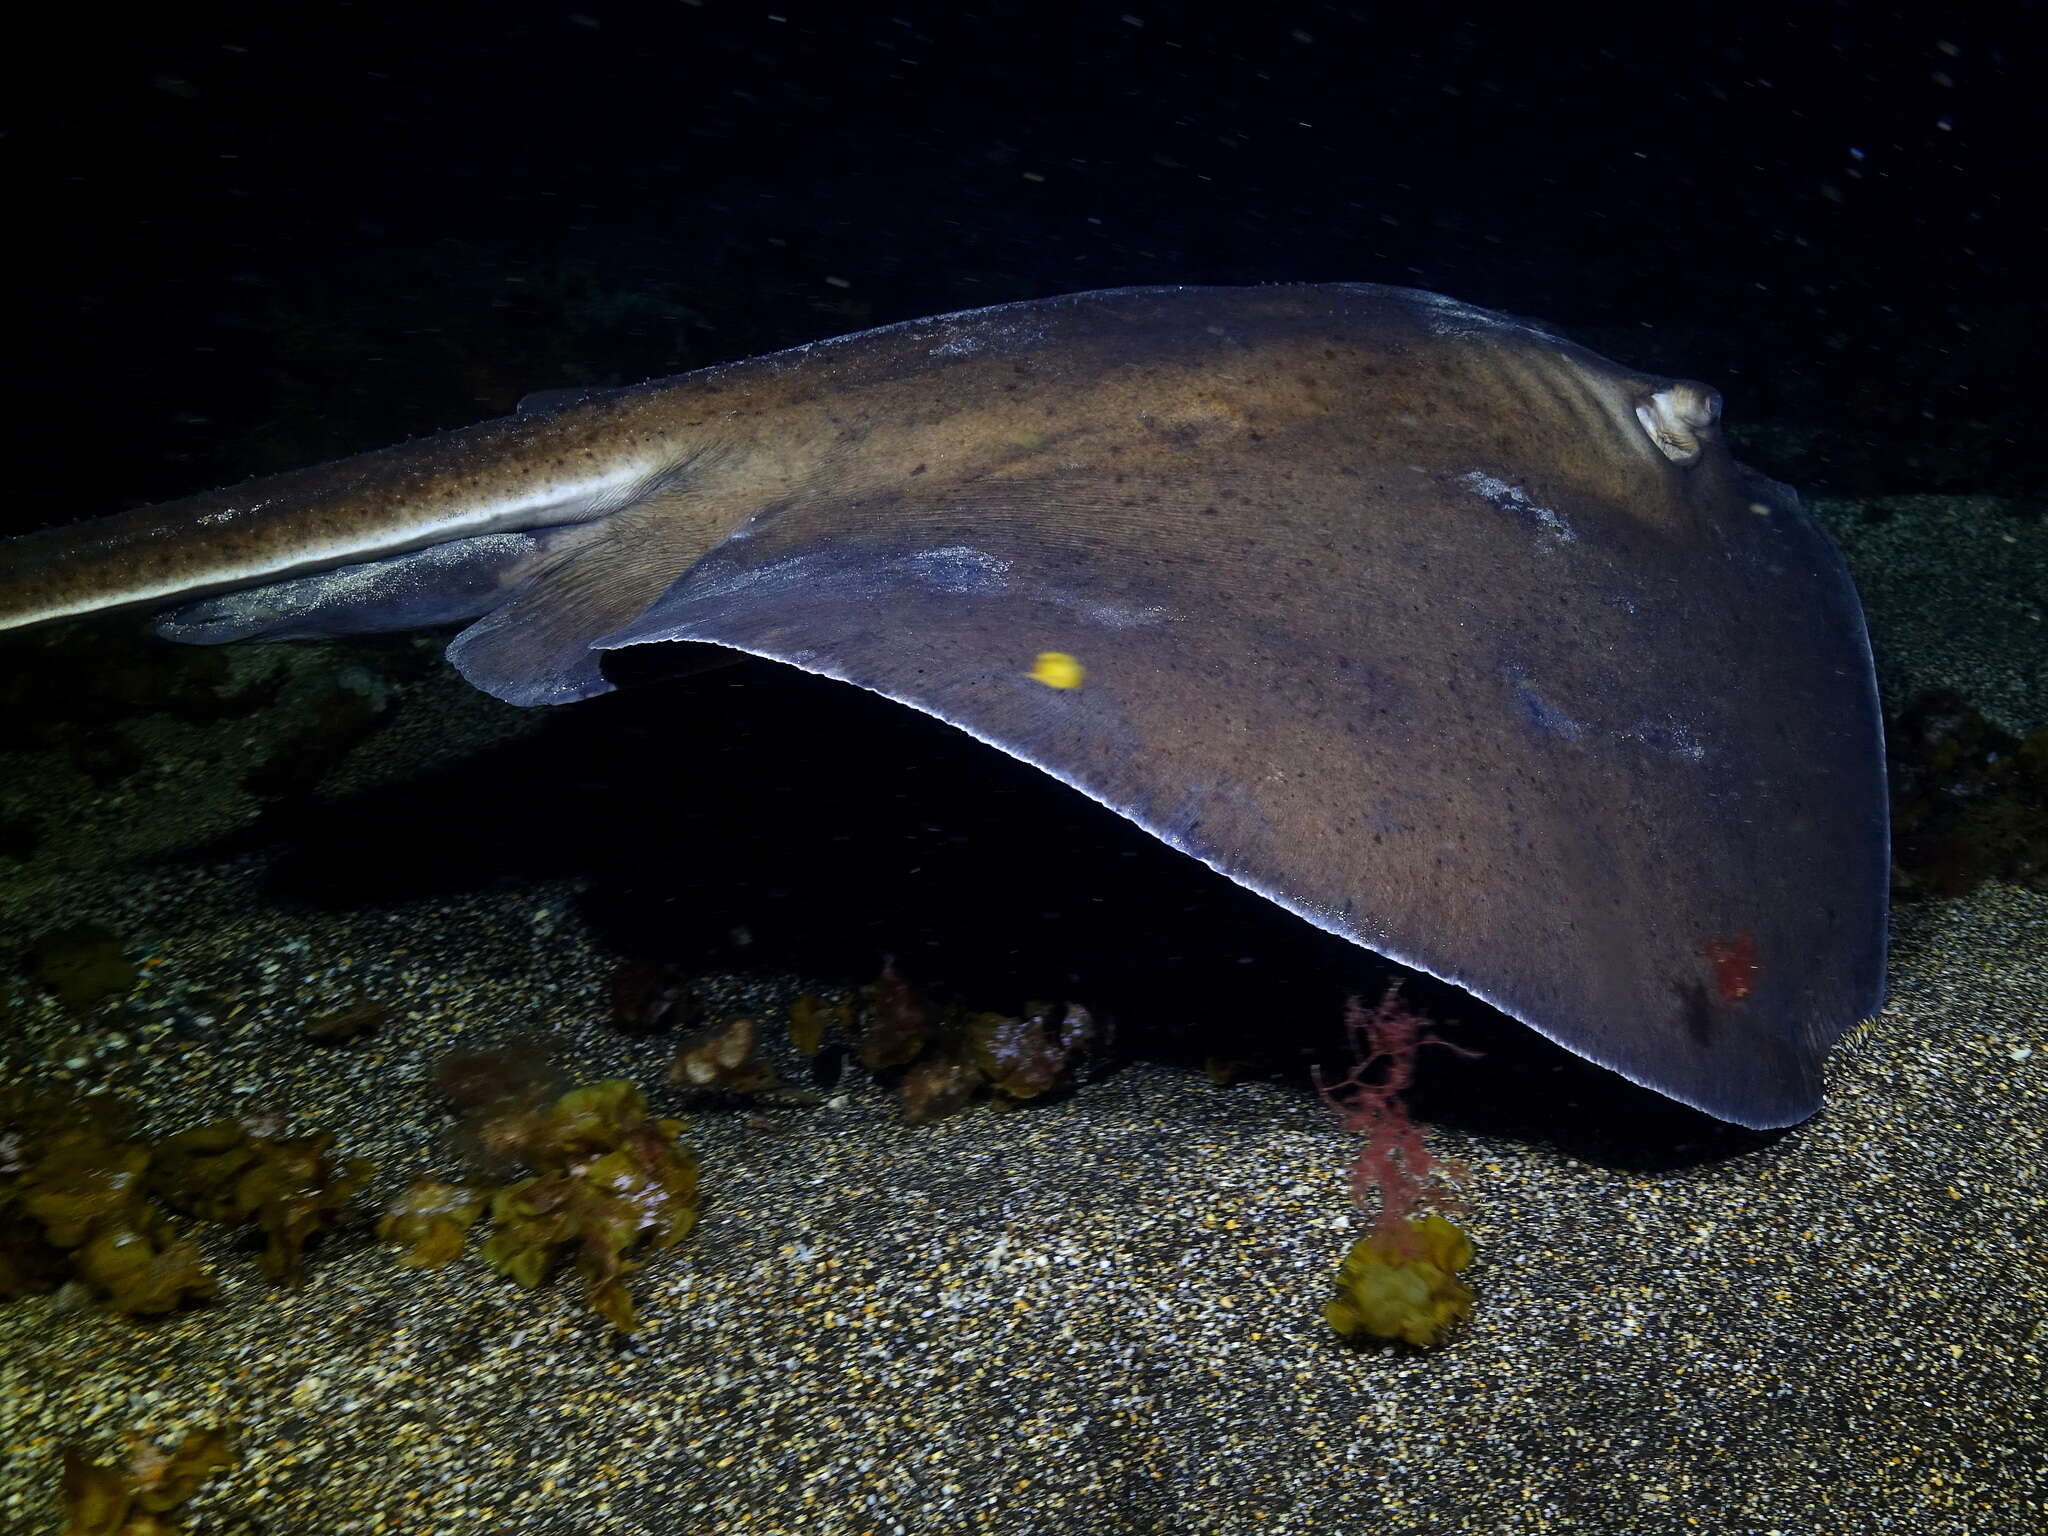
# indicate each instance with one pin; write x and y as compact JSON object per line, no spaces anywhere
{"x":1395,"y":1160}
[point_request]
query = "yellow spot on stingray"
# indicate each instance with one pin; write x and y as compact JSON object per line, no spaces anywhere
{"x":1056,"y":669}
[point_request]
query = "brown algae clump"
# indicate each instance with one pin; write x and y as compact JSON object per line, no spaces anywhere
{"x":232,"y":1171}
{"x":83,"y":1201}
{"x":941,"y":1059}
{"x":723,"y":1059}
{"x":82,"y":965}
{"x":609,"y":1182}
{"x":75,"y":1206}
{"x":1025,"y":1057}
{"x":610,"y":1177}
{"x":139,"y":1497}
{"x":430,"y":1221}
{"x":1402,"y":1283}
{"x":810,"y":1019}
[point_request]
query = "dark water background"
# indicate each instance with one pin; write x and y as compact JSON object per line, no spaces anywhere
{"x":248,"y":236}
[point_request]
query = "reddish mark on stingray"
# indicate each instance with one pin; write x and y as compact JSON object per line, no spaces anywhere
{"x":1734,"y":963}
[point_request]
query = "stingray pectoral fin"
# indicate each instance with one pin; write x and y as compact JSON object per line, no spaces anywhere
{"x":536,"y":648}
{"x":1624,"y":784}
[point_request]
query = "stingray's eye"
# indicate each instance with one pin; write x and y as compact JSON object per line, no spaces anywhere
{"x":1679,"y":418}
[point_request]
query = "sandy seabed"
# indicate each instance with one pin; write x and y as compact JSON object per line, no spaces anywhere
{"x":1100,"y":1313}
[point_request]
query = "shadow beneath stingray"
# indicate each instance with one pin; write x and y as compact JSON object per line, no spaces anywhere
{"x":755,"y":817}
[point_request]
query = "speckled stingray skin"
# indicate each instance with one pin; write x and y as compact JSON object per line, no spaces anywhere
{"x":1443,"y":633}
